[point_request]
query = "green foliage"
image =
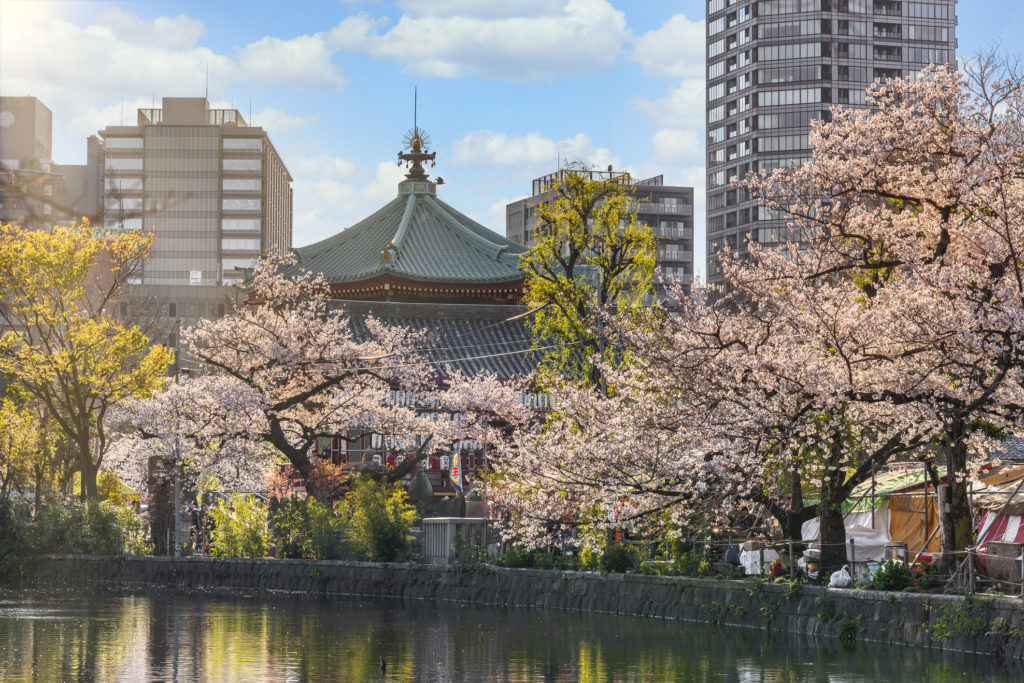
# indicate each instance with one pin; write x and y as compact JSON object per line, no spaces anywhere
{"x":240,"y":527}
{"x":956,"y":620}
{"x":590,"y":560}
{"x":377,"y":518}
{"x":589,"y":252}
{"x":517,"y":558}
{"x":12,"y":539}
{"x":893,"y":575}
{"x":306,"y":528}
{"x":847,"y":631}
{"x":71,"y":529}
{"x":826,"y":608}
{"x":465,"y":552}
{"x":686,"y":564}
{"x":923,"y":575}
{"x":619,"y":558}
{"x":76,"y":529}
{"x":134,"y":528}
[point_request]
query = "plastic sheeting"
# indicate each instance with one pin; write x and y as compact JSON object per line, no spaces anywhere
{"x":750,"y":560}
{"x":809,"y":530}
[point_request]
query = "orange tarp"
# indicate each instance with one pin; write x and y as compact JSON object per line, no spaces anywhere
{"x":907,"y":522}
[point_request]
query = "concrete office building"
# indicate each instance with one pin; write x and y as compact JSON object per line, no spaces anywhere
{"x":35,"y":191}
{"x":773,"y":66}
{"x":212,"y":189}
{"x":667,"y":209}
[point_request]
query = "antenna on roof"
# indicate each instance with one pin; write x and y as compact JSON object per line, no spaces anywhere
{"x":415,"y":105}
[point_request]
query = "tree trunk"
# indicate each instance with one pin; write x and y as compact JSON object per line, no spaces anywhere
{"x":832,"y":533}
{"x":832,"y":526}
{"x":955,"y":516}
{"x":88,"y":470}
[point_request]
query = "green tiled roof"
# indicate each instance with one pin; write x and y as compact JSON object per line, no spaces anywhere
{"x":416,"y":237}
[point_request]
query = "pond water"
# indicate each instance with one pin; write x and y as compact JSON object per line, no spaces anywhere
{"x":171,"y":636}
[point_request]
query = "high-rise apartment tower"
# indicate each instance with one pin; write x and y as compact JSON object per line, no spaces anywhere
{"x":773,"y":66}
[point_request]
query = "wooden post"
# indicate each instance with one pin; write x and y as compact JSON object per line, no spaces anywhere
{"x":792,"y":564}
{"x":853,"y":560}
{"x":926,"y":506}
{"x":970,"y":570}
{"x":872,"y":495}
{"x":760,"y":555}
{"x":943,"y":503}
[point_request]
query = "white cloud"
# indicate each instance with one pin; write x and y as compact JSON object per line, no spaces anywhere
{"x":675,"y":50}
{"x":178,"y":33}
{"x":332,"y":194}
{"x":69,"y":65}
{"x":489,"y":9}
{"x":302,"y":62}
{"x":682,"y":107}
{"x":323,"y":166}
{"x":489,"y":148}
{"x":678,"y":146}
{"x":275,"y":120}
{"x":520,"y":39}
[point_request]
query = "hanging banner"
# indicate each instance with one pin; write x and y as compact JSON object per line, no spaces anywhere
{"x":456,"y":472}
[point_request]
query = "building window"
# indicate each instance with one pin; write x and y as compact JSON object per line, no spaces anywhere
{"x":229,"y":264}
{"x":927,"y":10}
{"x":240,"y":224}
{"x":123,"y":184}
{"x":245,"y":204}
{"x":236,"y":244}
{"x":123,"y":164}
{"x":243,"y":143}
{"x":243,"y":164}
{"x":241,"y":184}
{"x":794,"y":51}
{"x":123,"y":143}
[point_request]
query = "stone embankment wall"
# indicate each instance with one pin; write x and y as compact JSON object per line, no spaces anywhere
{"x":985,"y":624}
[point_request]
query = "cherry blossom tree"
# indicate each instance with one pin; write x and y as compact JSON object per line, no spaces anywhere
{"x":915,"y":210}
{"x":285,"y":369}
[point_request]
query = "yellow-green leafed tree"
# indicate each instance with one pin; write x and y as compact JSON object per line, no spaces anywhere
{"x":64,"y":343}
{"x":589,"y":252}
{"x":19,"y":440}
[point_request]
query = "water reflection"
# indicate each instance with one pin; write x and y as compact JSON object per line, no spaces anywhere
{"x":174,"y":636}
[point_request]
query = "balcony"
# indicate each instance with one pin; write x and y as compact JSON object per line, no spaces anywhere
{"x":675,"y":209}
{"x":674,"y":233}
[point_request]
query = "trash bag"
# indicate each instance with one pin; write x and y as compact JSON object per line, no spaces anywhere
{"x":732,"y":554}
{"x":841,"y":579}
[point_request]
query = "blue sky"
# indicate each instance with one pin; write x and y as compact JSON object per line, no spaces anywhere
{"x":506,"y":88}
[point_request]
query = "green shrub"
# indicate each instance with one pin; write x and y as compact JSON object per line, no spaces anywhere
{"x":923,"y":575}
{"x":517,"y":558}
{"x":892,"y":575}
{"x":590,"y":560}
{"x":306,"y":528}
{"x":377,"y":518}
{"x":90,"y":529}
{"x":134,"y":529}
{"x":240,"y":528}
{"x":619,"y":558}
{"x":687,"y":564}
